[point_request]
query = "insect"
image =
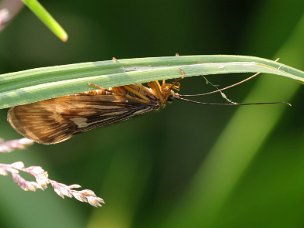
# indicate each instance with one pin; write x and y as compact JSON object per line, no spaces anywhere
{"x":55,"y":120}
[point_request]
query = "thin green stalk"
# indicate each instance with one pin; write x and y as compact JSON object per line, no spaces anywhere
{"x":46,"y":18}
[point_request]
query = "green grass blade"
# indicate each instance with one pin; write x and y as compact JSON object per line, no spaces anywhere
{"x":46,"y":18}
{"x":48,"y":82}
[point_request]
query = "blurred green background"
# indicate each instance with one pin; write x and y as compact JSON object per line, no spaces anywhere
{"x":188,"y":165}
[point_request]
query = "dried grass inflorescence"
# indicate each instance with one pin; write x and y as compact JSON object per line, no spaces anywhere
{"x":41,"y":180}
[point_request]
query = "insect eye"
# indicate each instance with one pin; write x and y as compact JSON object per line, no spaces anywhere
{"x":170,"y":99}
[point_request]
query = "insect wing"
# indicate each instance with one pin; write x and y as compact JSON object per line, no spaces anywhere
{"x":56,"y":120}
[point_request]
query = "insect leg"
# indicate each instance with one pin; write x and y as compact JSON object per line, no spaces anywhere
{"x":98,"y":90}
{"x":93,"y":85}
{"x":156,"y":88}
{"x":136,"y":93}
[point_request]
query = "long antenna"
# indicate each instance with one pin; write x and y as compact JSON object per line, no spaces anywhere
{"x":177,"y":96}
{"x":225,"y":88}
{"x":229,"y":102}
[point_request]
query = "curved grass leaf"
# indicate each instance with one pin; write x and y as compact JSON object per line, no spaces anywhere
{"x":48,"y":82}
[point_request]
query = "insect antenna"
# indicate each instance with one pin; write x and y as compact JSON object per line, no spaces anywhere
{"x":220,"y":90}
{"x":178,"y":97}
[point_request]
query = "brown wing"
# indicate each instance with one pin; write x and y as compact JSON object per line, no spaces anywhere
{"x":56,"y":120}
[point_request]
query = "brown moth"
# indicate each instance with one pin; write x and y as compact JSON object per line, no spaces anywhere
{"x":55,"y":120}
